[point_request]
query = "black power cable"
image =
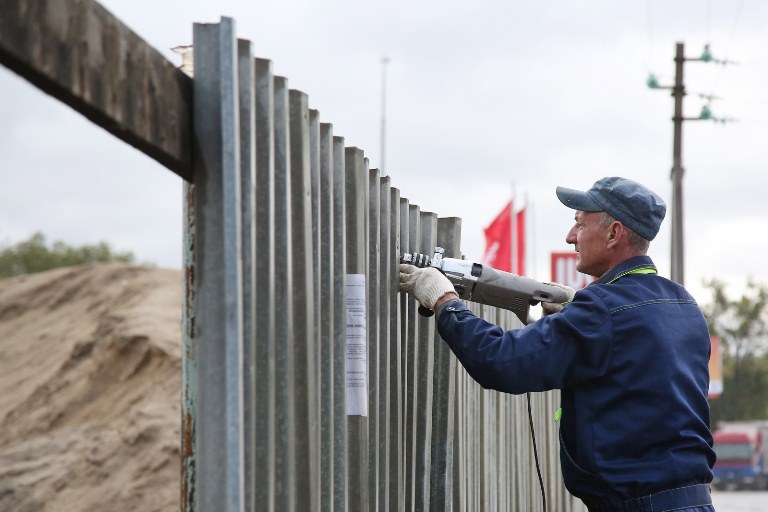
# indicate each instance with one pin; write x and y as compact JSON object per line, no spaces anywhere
{"x":536,"y":454}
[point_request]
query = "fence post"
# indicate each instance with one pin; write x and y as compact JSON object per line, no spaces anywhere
{"x":384,"y":363}
{"x":219,"y":329}
{"x":341,"y":462}
{"x":424,"y":379}
{"x":444,"y":392}
{"x":325,"y":276}
{"x":304,"y":344}
{"x":392,"y":258}
{"x":374,"y":368}
{"x":245,"y":73}
{"x":188,"y":358}
{"x":285,"y":422}
{"x":356,"y":203}
{"x":264,"y":263}
{"x":412,"y":366}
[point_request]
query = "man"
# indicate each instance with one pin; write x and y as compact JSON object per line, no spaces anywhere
{"x":630,"y":353}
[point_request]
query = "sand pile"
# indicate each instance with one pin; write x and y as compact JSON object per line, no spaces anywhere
{"x":90,"y":376}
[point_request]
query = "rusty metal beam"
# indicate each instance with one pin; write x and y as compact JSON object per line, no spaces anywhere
{"x":79,"y":53}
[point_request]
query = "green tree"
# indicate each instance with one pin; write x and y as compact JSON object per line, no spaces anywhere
{"x":742,"y":326}
{"x":34,"y":255}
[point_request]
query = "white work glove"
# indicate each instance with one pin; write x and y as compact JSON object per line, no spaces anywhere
{"x":427,"y":285}
{"x":547,"y":308}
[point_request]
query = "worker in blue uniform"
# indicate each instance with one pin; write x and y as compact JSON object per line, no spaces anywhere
{"x":630,"y":353}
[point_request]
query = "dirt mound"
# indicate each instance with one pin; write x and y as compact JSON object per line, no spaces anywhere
{"x":90,"y":374}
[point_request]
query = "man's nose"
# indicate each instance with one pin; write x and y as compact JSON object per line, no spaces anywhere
{"x":570,"y":238}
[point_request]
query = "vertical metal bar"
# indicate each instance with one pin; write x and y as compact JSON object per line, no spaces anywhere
{"x":487,"y":415}
{"x":405,"y":397}
{"x":555,"y":491}
{"x":188,"y":357}
{"x":219,"y":301}
{"x":527,"y":466}
{"x":372,"y":280}
{"x":405,"y":402}
{"x":472,"y":457}
{"x":476,"y":422}
{"x":392,"y":258}
{"x":522,"y":464}
{"x":493,"y":461}
{"x":356,"y":204}
{"x":325,"y":275}
{"x":533,"y":485}
{"x":339,"y":340}
{"x":513,"y":452}
{"x":322,"y":269}
{"x":412,"y":361}
{"x":248,"y":255}
{"x":424,"y":380}
{"x":443,"y":403}
{"x":466,"y":469}
{"x":264,"y":407}
{"x":383,"y":289}
{"x":285,"y":447}
{"x":550,"y":441}
{"x":459,"y":447}
{"x":304,"y":344}
{"x":471,"y":438}
{"x":502,"y":449}
{"x":461,"y":458}
{"x":466,"y":452}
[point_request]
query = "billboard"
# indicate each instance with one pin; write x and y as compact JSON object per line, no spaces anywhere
{"x":564,"y":271}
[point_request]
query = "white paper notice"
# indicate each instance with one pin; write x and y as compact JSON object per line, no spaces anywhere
{"x":357,"y":351}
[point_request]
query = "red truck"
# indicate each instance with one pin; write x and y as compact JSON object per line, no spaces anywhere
{"x":742,"y":456}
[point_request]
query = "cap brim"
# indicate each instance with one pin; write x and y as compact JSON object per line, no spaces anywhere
{"x":577,"y":200}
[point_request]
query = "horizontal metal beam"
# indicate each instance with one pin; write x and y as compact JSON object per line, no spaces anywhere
{"x":79,"y":53}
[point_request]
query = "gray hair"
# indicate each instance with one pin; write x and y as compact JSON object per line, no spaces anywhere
{"x":636,"y":241}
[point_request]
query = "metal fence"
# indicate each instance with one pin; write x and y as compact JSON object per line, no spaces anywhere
{"x":310,"y":383}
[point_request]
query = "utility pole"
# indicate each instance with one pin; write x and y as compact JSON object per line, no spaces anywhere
{"x":677,"y":247}
{"x":678,"y":93}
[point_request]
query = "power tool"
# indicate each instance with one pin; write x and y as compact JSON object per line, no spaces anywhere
{"x":485,"y":285}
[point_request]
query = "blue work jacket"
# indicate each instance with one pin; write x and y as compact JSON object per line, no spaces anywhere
{"x":630,"y":354}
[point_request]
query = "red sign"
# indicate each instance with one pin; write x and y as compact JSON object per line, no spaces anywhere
{"x":715,"y":368}
{"x":520,"y":239}
{"x":564,"y":271}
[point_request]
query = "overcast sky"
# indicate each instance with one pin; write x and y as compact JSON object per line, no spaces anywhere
{"x":482,"y":98}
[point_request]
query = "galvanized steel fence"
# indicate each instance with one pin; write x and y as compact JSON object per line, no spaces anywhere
{"x":309,"y":382}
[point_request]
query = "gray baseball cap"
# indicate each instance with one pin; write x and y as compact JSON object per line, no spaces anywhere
{"x":627,"y":201}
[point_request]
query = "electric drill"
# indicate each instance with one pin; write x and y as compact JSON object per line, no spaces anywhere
{"x":486,"y":285}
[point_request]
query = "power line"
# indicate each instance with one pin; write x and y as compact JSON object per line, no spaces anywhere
{"x":729,"y":45}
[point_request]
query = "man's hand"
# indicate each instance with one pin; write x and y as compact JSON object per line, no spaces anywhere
{"x":427,"y":285}
{"x":548,"y":308}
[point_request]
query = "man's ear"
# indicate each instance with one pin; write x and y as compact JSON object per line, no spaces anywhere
{"x":615,"y":232}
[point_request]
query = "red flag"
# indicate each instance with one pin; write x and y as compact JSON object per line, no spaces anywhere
{"x":520,"y":237}
{"x":498,"y":241}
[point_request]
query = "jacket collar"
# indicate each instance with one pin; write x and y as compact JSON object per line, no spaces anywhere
{"x":624,"y":268}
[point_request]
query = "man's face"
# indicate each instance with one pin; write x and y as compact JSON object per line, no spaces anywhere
{"x":589,"y":240}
